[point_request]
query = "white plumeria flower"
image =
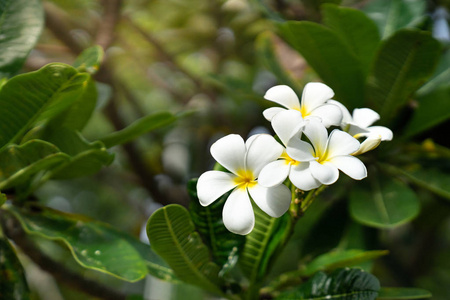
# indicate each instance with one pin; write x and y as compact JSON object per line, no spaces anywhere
{"x":315,"y":99}
{"x":358,"y":125}
{"x":328,"y":154}
{"x":286,"y":124}
{"x":244,"y":161}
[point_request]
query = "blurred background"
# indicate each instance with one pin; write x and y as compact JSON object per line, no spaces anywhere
{"x":207,"y":61}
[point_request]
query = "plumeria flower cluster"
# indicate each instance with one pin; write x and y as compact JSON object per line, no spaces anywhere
{"x":306,"y":154}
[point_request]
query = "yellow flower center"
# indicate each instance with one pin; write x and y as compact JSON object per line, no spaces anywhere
{"x":245,"y":179}
{"x":303,"y":111}
{"x":288,"y":160}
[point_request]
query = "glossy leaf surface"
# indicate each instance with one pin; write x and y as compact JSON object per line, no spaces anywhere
{"x":89,"y":60}
{"x":172,"y":236}
{"x":94,"y":245}
{"x":21,"y":24}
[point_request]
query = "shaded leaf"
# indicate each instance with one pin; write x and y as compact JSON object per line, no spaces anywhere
{"x":329,"y":55}
{"x":21,"y":25}
{"x":403,"y":63}
{"x":403,"y":293}
{"x":138,"y":128}
{"x":386,"y":204}
{"x":19,"y":163}
{"x":2,"y":199}
{"x":89,"y":60}
{"x":172,"y":236}
{"x":94,"y":245}
{"x":392,"y":15}
{"x":440,"y":78}
{"x":342,"y":284}
{"x":358,"y":31}
{"x":36,"y":96}
{"x":432,"y":109}
{"x":13,"y":284}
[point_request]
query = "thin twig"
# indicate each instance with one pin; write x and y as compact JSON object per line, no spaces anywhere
{"x":111,"y":15}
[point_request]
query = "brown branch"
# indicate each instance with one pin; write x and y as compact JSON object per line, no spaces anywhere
{"x":111,"y":16}
{"x":14,"y":231}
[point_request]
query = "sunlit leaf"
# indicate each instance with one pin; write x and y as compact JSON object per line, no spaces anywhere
{"x":337,"y":65}
{"x":342,"y":284}
{"x":94,"y":245}
{"x":13,"y":285}
{"x":36,"y":96}
{"x":21,"y":24}
{"x":386,"y":204}
{"x":89,"y":60}
{"x":402,"y":65}
{"x":172,"y":236}
{"x":403,"y":293}
{"x":138,"y":128}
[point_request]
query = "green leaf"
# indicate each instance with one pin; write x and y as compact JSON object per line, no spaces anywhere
{"x":138,"y":128}
{"x":173,"y":237}
{"x":342,"y":284}
{"x":20,"y":27}
{"x":387,"y":204}
{"x":337,"y":66}
{"x":37,"y":96}
{"x":392,"y":15}
{"x":89,"y":60}
{"x":19,"y":163}
{"x":261,"y":243}
{"x":13,"y":284}
{"x":2,"y":199}
{"x":403,"y":63}
{"x":440,"y":78}
{"x":338,"y":259}
{"x":224,"y":245}
{"x":432,"y":109}
{"x":265,"y":49}
{"x":358,"y":31}
{"x":94,"y":245}
{"x":403,"y":293}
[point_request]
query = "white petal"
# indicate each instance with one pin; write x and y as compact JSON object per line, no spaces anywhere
{"x":213,"y":184}
{"x":300,"y":150}
{"x":263,"y":150}
{"x":341,"y":143}
{"x":229,"y":151}
{"x":351,"y":166}
{"x":364,"y":117}
{"x":284,"y":95}
{"x":314,"y":95}
{"x":329,"y":113}
{"x":274,"y":201}
{"x":286,"y":124}
{"x":317,"y":134}
{"x":237,"y":214}
{"x":385,"y":133}
{"x":346,"y":116}
{"x":326,"y":173}
{"x":356,"y":131}
{"x":300,"y":176}
{"x":274,"y":173}
{"x":369,"y":143}
{"x":271,"y":112}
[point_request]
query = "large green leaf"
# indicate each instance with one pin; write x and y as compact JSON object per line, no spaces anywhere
{"x":19,"y":163}
{"x":403,"y":63}
{"x":388,"y":203}
{"x":172,"y":236}
{"x":392,"y":15}
{"x":224,"y":245}
{"x":261,"y":244}
{"x":440,"y":78}
{"x":21,"y":23}
{"x":89,"y":60}
{"x":403,"y":293}
{"x":342,"y":284}
{"x":94,"y":245}
{"x":36,"y":96}
{"x":356,"y":30}
{"x":138,"y":128}
{"x":266,"y":50}
{"x":330,"y":56}
{"x":338,"y":259}
{"x":433,"y":108}
{"x":13,"y":285}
